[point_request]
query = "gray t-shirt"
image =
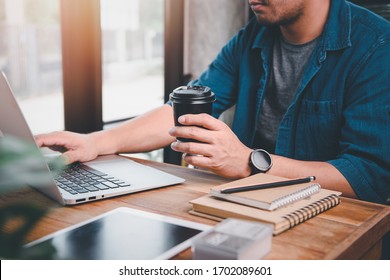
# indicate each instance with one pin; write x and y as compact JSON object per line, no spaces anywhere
{"x":288,"y":64}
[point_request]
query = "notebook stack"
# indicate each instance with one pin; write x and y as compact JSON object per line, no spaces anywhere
{"x":283,"y":207}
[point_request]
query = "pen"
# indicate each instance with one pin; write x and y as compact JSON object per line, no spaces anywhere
{"x":269,"y":185}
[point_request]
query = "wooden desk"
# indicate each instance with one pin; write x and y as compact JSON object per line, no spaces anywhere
{"x":352,"y":230}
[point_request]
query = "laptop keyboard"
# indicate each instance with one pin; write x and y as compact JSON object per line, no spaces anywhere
{"x":79,"y":178}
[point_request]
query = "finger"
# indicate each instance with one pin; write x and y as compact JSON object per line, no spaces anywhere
{"x":40,"y":139}
{"x":51,"y":139}
{"x":203,"y":120}
{"x":57,"y":141}
{"x":70,"y":157}
{"x":192,"y":132}
{"x":192,"y":148}
{"x":196,"y":160}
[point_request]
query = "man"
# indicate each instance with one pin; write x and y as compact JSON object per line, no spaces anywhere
{"x":311,"y":83}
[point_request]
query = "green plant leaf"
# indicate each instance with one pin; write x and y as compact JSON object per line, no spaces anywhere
{"x":21,"y":163}
{"x":16,"y":221}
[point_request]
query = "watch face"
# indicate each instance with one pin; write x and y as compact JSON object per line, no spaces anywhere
{"x":261,"y":160}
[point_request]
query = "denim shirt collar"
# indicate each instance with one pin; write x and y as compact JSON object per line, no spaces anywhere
{"x":335,"y":36}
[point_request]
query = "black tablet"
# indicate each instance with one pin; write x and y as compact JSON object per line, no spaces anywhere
{"x":123,"y":234}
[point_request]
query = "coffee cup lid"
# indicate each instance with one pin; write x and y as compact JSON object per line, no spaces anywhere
{"x":192,"y":94}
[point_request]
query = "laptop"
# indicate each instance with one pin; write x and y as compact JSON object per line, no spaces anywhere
{"x":106,"y":176}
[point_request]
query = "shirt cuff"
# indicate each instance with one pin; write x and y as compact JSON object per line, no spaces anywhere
{"x":359,"y":183}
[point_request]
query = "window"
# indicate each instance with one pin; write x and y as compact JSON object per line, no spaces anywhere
{"x":133,"y":57}
{"x":30,"y":56}
{"x":79,"y":65}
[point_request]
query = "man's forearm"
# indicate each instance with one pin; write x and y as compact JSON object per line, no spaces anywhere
{"x":326,"y":174}
{"x":141,"y":134}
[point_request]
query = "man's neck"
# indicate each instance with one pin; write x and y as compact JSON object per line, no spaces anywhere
{"x":310,"y":25}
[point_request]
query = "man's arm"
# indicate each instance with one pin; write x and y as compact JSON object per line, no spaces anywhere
{"x":144,"y":133}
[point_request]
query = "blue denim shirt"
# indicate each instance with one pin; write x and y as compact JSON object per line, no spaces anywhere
{"x":341,"y":111}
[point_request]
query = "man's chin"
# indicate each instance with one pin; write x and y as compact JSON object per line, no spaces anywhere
{"x":263,"y":21}
{"x":280,"y":22}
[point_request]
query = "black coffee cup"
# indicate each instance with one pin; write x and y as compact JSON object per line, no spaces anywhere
{"x":191,"y":100}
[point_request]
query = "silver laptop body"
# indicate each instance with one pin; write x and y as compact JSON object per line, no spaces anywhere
{"x":134,"y":176}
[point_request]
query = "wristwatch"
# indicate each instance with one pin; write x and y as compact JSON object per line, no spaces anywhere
{"x":260,"y":161}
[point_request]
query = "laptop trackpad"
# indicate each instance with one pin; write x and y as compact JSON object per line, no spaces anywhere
{"x":138,"y":175}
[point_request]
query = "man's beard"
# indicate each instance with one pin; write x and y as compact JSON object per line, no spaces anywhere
{"x":285,"y":19}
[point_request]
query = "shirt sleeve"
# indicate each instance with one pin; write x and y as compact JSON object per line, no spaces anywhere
{"x":364,"y":157}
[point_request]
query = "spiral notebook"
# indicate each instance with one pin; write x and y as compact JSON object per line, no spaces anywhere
{"x":267,"y":199}
{"x":283,"y":218}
